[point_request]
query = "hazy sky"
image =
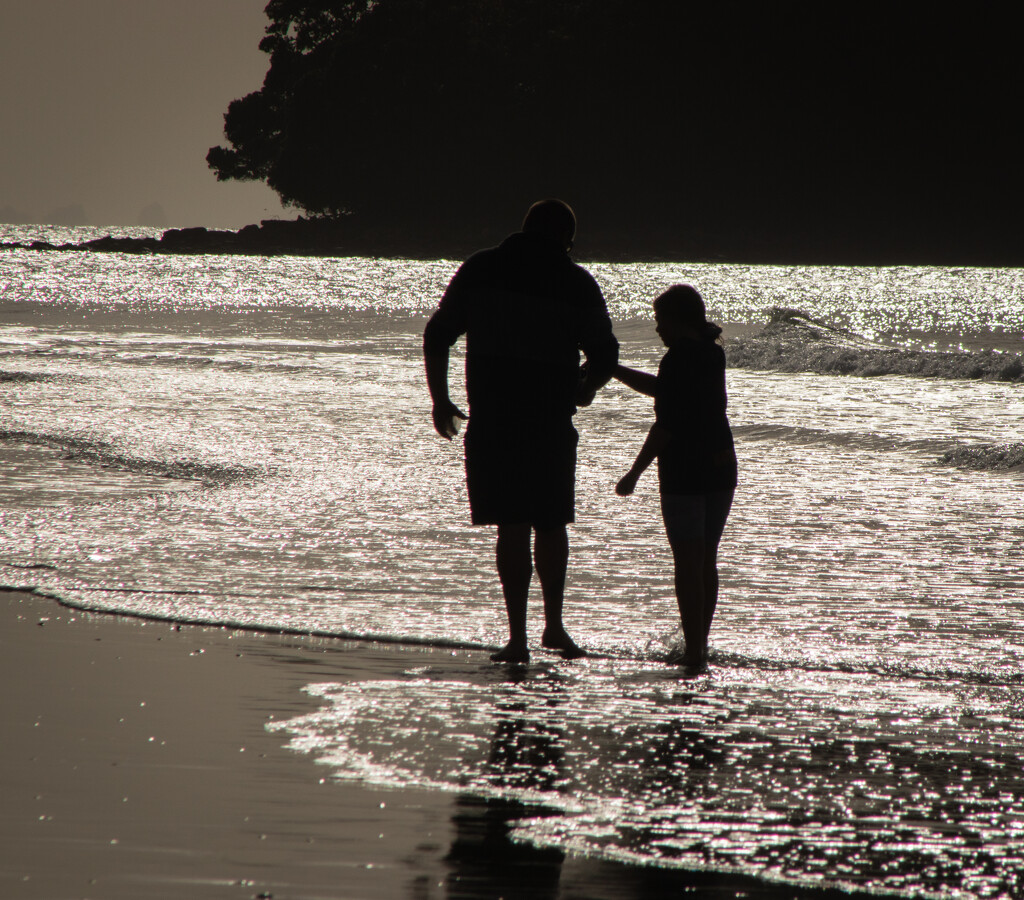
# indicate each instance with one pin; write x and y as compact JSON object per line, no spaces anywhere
{"x":113,"y":104}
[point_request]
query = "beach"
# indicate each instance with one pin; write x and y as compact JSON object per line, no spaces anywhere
{"x":219,"y":480}
{"x":136,"y":763}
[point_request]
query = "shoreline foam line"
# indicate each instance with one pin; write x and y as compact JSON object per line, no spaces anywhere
{"x":281,"y":630}
{"x":724,"y":659}
{"x":229,"y":625}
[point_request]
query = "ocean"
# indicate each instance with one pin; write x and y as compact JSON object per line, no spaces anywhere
{"x":246,"y":441}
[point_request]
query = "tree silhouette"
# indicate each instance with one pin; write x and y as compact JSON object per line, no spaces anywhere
{"x":767,"y":130}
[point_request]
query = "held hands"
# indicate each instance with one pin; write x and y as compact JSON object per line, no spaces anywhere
{"x":445,"y":415}
{"x":584,"y":394}
{"x":627,"y":484}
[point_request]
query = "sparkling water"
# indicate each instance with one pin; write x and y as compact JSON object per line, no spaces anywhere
{"x":247,"y":441}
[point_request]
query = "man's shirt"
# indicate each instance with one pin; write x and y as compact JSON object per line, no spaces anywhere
{"x":526,"y":310}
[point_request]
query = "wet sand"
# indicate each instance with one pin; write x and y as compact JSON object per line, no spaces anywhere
{"x":136,"y":764}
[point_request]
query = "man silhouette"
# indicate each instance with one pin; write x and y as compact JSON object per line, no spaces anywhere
{"x":526,"y":310}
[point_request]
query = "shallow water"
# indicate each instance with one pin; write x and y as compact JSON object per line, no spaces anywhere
{"x":861,"y":720}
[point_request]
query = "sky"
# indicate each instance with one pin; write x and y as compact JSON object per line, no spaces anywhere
{"x":113,"y":104}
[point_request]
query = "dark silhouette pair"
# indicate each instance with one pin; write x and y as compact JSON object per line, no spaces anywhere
{"x":527,"y":311}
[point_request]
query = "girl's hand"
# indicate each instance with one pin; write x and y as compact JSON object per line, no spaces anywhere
{"x":627,"y":484}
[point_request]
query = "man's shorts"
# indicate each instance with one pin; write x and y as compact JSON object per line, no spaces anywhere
{"x":525,"y":475}
{"x":696,"y":517}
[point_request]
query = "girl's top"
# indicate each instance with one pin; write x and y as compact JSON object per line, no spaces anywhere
{"x":689,"y":403}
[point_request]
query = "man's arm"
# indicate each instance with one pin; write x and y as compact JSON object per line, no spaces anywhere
{"x":444,"y":412}
{"x":443,"y":329}
{"x":657,"y":440}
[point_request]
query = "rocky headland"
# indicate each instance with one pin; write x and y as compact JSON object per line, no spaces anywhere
{"x":299,"y":237}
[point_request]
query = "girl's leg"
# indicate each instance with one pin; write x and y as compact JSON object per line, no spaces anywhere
{"x":710,"y":587}
{"x":716,"y":514}
{"x":684,"y":516}
{"x":690,"y":573}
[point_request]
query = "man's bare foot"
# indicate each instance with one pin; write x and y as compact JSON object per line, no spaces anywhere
{"x":558,"y":639}
{"x":512,"y":652}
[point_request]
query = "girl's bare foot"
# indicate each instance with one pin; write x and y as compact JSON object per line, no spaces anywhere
{"x":512,"y":652}
{"x":687,"y":657}
{"x":558,"y":639}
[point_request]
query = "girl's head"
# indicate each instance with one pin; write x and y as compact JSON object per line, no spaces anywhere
{"x":680,"y":312}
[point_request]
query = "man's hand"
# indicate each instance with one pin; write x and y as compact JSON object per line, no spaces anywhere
{"x":627,"y":484}
{"x":444,"y":415}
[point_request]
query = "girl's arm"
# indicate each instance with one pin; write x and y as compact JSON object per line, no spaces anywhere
{"x":635,"y":379}
{"x":657,"y":440}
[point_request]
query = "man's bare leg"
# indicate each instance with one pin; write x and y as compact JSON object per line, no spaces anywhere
{"x":551,"y":557}
{"x":514,"y":572}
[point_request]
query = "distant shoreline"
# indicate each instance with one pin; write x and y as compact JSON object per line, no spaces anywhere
{"x":341,"y":238}
{"x":309,"y":237}
{"x":272,"y":237}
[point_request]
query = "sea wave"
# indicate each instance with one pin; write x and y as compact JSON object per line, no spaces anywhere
{"x":25,"y":377}
{"x":982,"y":458}
{"x":858,"y":440}
{"x":794,"y":341}
{"x":100,"y":454}
{"x":989,"y":457}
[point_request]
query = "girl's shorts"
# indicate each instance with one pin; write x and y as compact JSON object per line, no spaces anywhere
{"x":696,"y":517}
